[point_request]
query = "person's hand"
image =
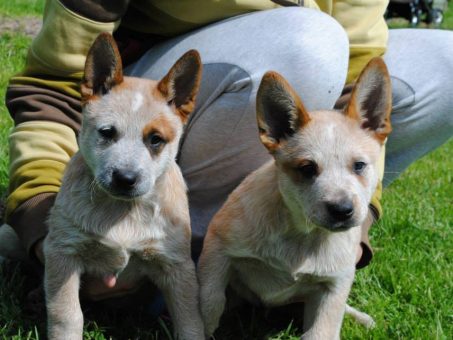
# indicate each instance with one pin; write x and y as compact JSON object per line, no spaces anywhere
{"x":94,"y":288}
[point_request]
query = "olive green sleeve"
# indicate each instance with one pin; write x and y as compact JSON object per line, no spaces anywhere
{"x":39,"y":152}
{"x":44,"y":101}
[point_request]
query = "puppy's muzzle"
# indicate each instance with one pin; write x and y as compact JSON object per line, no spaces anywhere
{"x":341,"y":214}
{"x":340,"y":211}
{"x":124,"y":181}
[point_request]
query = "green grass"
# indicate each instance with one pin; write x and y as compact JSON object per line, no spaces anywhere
{"x":409,"y":286}
{"x":448,"y":17}
{"x":408,"y":289}
{"x":21,"y":7}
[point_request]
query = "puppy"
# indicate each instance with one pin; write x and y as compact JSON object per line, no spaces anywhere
{"x":122,"y":210}
{"x":290,"y":231}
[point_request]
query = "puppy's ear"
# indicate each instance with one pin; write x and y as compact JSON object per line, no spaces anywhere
{"x":180,"y":85}
{"x":103,"y":68}
{"x":279,"y":111}
{"x":371,"y":99}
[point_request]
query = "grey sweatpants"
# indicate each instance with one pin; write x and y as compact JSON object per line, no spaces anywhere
{"x":310,"y":49}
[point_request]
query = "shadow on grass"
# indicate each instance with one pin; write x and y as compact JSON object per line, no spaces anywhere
{"x":22,"y":312}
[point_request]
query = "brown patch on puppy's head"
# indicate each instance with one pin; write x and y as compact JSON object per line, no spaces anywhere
{"x":103,"y":69}
{"x":300,"y":169}
{"x":157,"y":133}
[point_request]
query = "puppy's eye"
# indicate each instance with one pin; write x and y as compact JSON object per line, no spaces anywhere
{"x":359,"y":167}
{"x":155,"y":140}
{"x":107,"y":132}
{"x":309,"y":169}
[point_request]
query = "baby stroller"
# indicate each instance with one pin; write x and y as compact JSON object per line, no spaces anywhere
{"x":416,"y":11}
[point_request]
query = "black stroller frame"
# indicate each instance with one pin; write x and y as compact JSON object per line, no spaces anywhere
{"x":415,"y":11}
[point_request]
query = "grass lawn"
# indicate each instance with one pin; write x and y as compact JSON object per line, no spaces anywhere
{"x":408,"y":289}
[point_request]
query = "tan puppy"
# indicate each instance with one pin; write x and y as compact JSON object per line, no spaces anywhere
{"x":122,"y":211}
{"x":290,"y":231}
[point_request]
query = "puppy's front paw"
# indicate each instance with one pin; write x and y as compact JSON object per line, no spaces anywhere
{"x":65,"y":331}
{"x":211,"y":311}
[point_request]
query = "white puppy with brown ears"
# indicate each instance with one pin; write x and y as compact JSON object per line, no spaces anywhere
{"x":122,"y":210}
{"x":290,"y":231}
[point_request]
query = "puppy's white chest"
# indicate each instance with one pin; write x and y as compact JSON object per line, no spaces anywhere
{"x":278,"y":285}
{"x":132,"y":234}
{"x":121,"y":243}
{"x":286,"y":270}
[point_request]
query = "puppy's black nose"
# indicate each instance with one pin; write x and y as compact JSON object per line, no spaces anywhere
{"x":340,"y":211}
{"x":124,"y":179}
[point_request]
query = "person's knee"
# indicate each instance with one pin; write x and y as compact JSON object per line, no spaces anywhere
{"x":422,"y":118}
{"x":310,"y":49}
{"x":438,"y":99}
{"x":304,"y":31}
{"x":445,"y":84}
{"x":421,"y":66}
{"x":306,"y":46}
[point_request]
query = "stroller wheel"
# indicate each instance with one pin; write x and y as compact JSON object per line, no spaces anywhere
{"x":415,"y":19}
{"x":416,"y":13}
{"x":435,"y":17}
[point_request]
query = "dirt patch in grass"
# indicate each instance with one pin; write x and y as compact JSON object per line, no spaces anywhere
{"x":27,"y":25}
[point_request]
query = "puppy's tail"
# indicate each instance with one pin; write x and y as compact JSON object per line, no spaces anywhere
{"x":10,"y":246}
{"x":360,"y":317}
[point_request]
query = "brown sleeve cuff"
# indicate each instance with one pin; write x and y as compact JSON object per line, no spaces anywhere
{"x":98,"y":10}
{"x":367,"y":251}
{"x":29,"y":220}
{"x":27,"y":103}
